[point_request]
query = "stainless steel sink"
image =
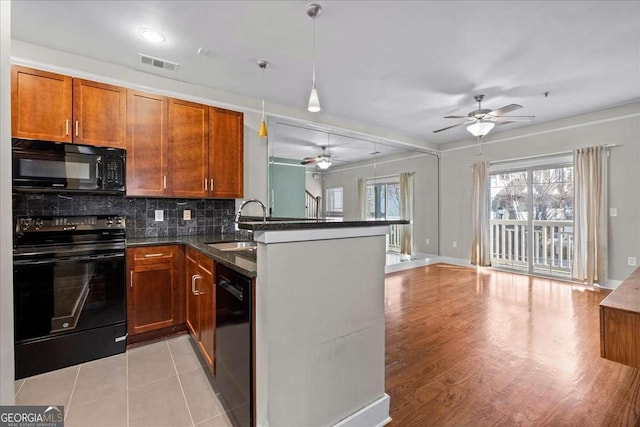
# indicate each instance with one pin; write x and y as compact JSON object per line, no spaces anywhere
{"x":234,"y":246}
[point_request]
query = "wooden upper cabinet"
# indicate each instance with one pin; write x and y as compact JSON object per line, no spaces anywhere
{"x":226,"y":151}
{"x":40,"y":105}
{"x":188,"y":148}
{"x":146,"y":144}
{"x":99,"y":114}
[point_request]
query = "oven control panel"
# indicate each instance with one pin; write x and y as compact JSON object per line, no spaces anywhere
{"x":69,"y":223}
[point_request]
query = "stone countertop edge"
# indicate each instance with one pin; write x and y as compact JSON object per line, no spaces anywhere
{"x":312,"y":223}
{"x":229,"y":258}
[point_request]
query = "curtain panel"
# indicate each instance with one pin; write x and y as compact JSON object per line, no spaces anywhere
{"x":362,"y":199}
{"x":590,"y":234}
{"x":406,"y":212}
{"x":480,"y":255}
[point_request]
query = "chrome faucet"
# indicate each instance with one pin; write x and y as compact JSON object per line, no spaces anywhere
{"x":245,"y":203}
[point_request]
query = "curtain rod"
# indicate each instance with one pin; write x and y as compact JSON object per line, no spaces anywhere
{"x":388,"y":176}
{"x":541,"y":156}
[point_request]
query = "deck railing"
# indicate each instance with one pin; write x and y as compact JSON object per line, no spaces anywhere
{"x":312,"y":205}
{"x":394,"y":238}
{"x":552,"y":244}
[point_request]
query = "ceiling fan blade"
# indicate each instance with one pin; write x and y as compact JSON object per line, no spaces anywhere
{"x":309,"y":160}
{"x":513,"y":118}
{"x":449,"y":127}
{"x":455,"y":117}
{"x":506,"y":109}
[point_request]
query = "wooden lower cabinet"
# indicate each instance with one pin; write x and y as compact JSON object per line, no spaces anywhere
{"x":201,"y":303}
{"x":155,"y":295}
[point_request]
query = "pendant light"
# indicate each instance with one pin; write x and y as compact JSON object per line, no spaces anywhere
{"x":263,"y":124}
{"x":314,"y":10}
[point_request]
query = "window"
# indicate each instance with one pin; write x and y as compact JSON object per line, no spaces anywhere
{"x":334,"y":202}
{"x":383,"y":199}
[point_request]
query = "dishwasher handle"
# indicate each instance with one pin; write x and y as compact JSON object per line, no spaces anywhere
{"x":233,"y":290}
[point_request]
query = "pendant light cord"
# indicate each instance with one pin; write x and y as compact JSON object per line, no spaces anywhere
{"x":314,"y":51}
{"x":263,"y":92}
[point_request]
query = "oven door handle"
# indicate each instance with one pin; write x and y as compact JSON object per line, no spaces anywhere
{"x":69,"y":259}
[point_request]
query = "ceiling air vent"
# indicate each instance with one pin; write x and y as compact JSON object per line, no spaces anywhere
{"x":160,"y":63}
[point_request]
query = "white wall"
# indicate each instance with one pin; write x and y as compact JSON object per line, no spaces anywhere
{"x":620,"y":126}
{"x":425,"y":166}
{"x":6,"y":260}
{"x":313,"y":182}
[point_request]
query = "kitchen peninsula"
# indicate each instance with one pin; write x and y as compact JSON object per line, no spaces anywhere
{"x":320,"y":323}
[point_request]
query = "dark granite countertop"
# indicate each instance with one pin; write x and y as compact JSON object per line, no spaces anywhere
{"x":301,"y":224}
{"x":244,"y":262}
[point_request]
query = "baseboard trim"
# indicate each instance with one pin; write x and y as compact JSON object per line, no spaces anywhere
{"x":454,"y":261}
{"x":612,"y":284}
{"x":376,"y":414}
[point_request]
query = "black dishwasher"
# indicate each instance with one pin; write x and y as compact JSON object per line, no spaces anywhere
{"x":234,"y":368}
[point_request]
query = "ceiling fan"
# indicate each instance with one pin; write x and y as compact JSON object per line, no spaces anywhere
{"x":482,"y":120}
{"x":323,"y":161}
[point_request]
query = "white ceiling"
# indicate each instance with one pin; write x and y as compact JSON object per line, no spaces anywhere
{"x":400,"y":65}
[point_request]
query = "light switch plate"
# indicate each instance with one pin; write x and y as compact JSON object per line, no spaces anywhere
{"x":455,"y":243}
{"x":613,"y":212}
{"x":159,"y":215}
{"x":428,"y":241}
{"x":186,"y":214}
{"x":632,"y":260}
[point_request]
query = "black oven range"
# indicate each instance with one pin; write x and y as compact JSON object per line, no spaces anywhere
{"x":69,"y":291}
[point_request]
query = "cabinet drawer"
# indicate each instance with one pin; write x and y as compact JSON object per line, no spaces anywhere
{"x":152,"y":254}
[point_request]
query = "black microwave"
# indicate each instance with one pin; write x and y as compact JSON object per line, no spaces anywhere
{"x":54,"y":166}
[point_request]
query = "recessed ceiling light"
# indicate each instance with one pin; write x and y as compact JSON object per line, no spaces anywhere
{"x":152,"y":35}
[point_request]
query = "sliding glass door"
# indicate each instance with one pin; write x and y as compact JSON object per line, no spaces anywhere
{"x":531,"y":219}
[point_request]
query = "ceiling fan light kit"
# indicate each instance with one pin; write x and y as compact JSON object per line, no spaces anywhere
{"x":314,"y":10}
{"x":480,"y":128}
{"x":324,"y":163}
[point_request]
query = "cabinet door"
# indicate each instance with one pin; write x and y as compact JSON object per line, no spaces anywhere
{"x":146,"y":144}
{"x":150,"y":298}
{"x":207,"y":298}
{"x":226,"y":148}
{"x":155,"y":295}
{"x":40,"y":105}
{"x":99,"y":114}
{"x":191,"y":271}
{"x":188,"y":149}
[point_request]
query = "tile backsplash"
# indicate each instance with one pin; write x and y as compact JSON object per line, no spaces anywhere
{"x":208,"y":216}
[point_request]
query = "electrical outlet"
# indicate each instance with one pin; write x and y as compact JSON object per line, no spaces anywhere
{"x":159,"y":215}
{"x":427,"y":241}
{"x":613,"y":212}
{"x":186,"y":214}
{"x":455,"y":243}
{"x":632,"y":260}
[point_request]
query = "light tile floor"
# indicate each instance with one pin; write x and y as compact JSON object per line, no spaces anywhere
{"x":159,"y":384}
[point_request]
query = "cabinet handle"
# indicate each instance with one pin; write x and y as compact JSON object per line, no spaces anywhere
{"x":193,"y":284}
{"x":164,"y":181}
{"x":211,"y":186}
{"x":66,"y":127}
{"x":152,"y":255}
{"x":205,"y":184}
{"x":76,"y":128}
{"x":131,"y":279}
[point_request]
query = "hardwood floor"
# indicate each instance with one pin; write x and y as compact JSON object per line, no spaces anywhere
{"x":467,"y":348}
